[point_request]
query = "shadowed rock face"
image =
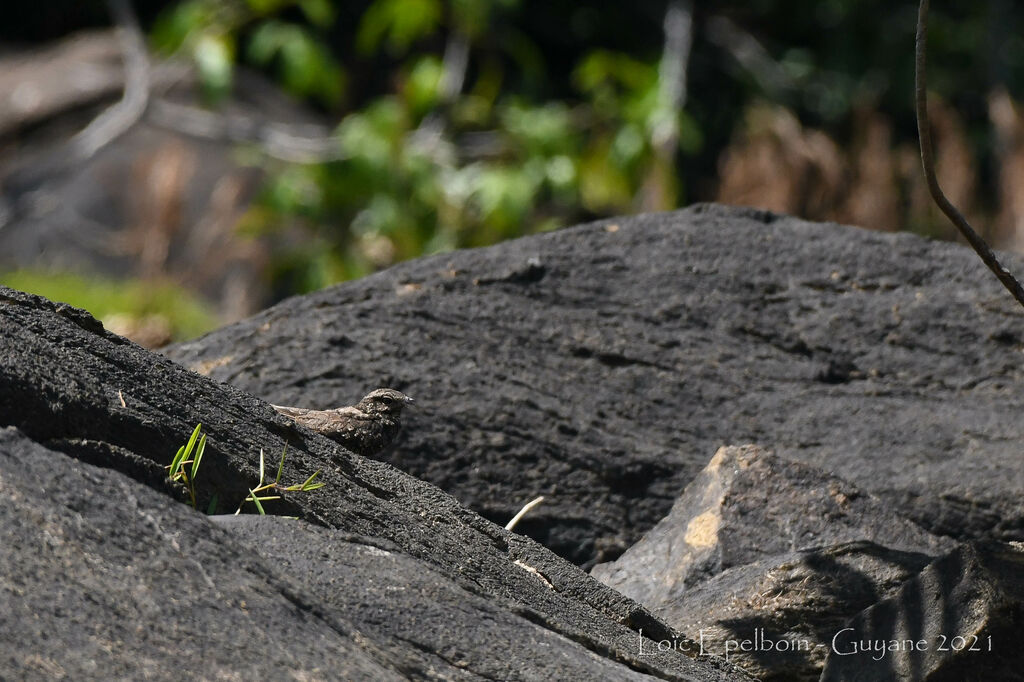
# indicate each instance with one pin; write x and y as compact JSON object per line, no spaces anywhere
{"x":788,"y":607}
{"x":104,"y":575}
{"x":774,"y":553}
{"x":104,"y":578}
{"x":746,"y":505}
{"x":602,"y":365}
{"x":959,"y":619}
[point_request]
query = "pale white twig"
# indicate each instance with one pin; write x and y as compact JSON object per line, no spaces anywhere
{"x":522,"y":512}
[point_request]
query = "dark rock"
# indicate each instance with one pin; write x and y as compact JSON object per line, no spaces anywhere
{"x":104,"y":578}
{"x":960,"y":619}
{"x":776,"y":617}
{"x":770,"y":552}
{"x":422,"y":619}
{"x":68,"y":384}
{"x":748,"y":504}
{"x":599,"y":365}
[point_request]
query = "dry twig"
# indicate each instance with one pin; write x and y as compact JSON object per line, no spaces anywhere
{"x":119,"y":118}
{"x":928,"y":162}
{"x":522,"y":512}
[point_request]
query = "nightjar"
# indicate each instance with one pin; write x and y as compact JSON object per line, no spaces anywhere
{"x":365,"y":428}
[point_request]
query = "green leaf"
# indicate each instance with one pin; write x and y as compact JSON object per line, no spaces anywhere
{"x":540,"y":130}
{"x":319,"y":12}
{"x":173,"y":27}
{"x":256,"y":501}
{"x":265,"y":42}
{"x":400,"y":22}
{"x":604,"y":67}
{"x":265,"y":7}
{"x":304,"y":63}
{"x":421,"y":87}
{"x":305,"y":485}
{"x":173,"y":472}
{"x":212,"y":507}
{"x":280,"y":465}
{"x":192,"y":440}
{"x":198,"y":457}
{"x":214,"y":55}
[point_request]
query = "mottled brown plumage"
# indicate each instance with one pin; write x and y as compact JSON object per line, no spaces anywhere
{"x":365,"y":428}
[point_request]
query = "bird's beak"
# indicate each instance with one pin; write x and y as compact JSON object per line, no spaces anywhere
{"x":409,"y":401}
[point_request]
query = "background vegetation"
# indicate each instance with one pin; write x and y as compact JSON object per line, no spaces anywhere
{"x":465,"y":122}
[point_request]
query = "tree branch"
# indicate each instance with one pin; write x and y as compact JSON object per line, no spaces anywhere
{"x":22,"y":190}
{"x":750,"y":54}
{"x":678,"y":28}
{"x":928,"y":162}
{"x":276,"y":140}
{"x":119,"y":118}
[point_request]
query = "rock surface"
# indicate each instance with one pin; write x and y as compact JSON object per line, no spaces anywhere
{"x":776,"y":617}
{"x":104,"y":578}
{"x":602,"y":365}
{"x":960,"y":619}
{"x":771,"y":553}
{"x":746,"y":505}
{"x":423,"y":620}
{"x":103,"y":573}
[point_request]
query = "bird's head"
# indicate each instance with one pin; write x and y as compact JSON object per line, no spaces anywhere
{"x":384,"y":401}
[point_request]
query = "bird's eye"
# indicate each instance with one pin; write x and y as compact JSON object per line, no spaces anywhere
{"x":387,"y":400}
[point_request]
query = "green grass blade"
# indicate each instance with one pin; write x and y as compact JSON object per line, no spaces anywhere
{"x":256,"y":500}
{"x":305,"y":486}
{"x":199,"y":456}
{"x":212,"y":507}
{"x":176,"y":464}
{"x":192,"y":440}
{"x":280,"y":465}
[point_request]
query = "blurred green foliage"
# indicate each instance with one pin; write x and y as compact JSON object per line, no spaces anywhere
{"x":427,"y":166}
{"x":553,"y":116}
{"x":171,"y":312}
{"x":464,"y":122}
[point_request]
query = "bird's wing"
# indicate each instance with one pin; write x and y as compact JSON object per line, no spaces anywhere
{"x":354,"y":412}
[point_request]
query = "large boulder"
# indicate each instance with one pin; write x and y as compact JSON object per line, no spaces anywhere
{"x":105,"y":574}
{"x":602,"y":365}
{"x":746,"y":505}
{"x":104,"y":578}
{"x":776,"y":617}
{"x":959,"y":619}
{"x":763,"y":560}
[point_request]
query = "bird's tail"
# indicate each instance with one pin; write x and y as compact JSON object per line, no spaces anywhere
{"x":290,"y":411}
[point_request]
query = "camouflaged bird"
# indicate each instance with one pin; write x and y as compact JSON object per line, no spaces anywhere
{"x":365,"y":428}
